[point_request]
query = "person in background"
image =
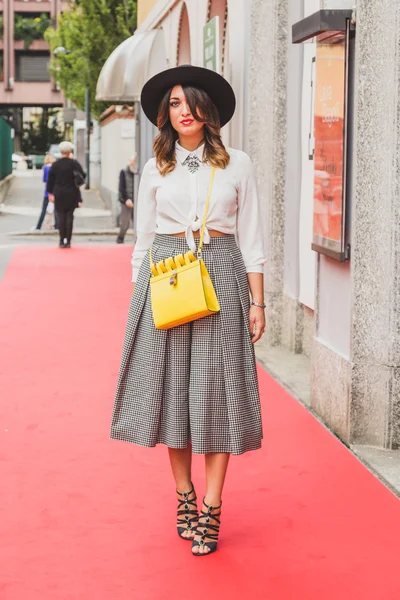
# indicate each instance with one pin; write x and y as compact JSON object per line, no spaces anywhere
{"x":48,"y":161}
{"x":126,"y":195}
{"x":65,"y":177}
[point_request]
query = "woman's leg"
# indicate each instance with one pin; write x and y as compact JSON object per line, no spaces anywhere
{"x":216,"y":467}
{"x":43,"y":213}
{"x":181,"y":465}
{"x":70,"y":224}
{"x":62,"y":225}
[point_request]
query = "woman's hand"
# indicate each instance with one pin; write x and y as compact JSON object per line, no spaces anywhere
{"x":51,"y":198}
{"x":257,"y":323}
{"x":257,"y":315}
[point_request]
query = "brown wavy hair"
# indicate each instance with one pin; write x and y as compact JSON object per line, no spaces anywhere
{"x":204,"y":111}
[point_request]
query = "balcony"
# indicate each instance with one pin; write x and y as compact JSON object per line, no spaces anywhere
{"x":35,"y":93}
{"x":38,"y":5}
{"x":36,"y":45}
{"x":32,"y":6}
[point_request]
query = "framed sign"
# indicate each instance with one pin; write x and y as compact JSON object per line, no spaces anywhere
{"x":330,"y":153}
{"x":211,"y":43}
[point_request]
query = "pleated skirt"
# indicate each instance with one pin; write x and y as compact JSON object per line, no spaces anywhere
{"x":197,"y":383}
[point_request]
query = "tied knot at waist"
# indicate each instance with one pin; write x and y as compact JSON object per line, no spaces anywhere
{"x":195,"y":226}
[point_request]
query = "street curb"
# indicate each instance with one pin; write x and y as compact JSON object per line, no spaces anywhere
{"x":75,"y":233}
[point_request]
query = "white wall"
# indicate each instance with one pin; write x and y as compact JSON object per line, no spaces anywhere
{"x":338,"y":4}
{"x":307,"y":257}
{"x":334,"y":305}
{"x":115,"y":153}
{"x":95,"y":156}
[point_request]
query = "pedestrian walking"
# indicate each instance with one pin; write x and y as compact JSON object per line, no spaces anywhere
{"x":48,"y":161}
{"x":126,"y":196}
{"x":193,"y":386}
{"x":65,"y":178}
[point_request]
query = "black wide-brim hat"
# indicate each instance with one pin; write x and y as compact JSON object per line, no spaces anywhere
{"x":219,"y":90}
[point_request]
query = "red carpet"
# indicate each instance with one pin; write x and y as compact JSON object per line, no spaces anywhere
{"x":85,"y":518}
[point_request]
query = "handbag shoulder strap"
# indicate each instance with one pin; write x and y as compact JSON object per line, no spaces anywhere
{"x":203,"y":226}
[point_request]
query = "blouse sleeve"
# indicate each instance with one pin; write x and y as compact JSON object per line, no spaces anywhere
{"x":146,"y":217}
{"x":249,"y":228}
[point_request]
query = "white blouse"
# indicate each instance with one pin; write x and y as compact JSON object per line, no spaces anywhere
{"x":175,"y":204}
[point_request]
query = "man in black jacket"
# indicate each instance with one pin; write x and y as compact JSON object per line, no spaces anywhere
{"x":126,"y":196}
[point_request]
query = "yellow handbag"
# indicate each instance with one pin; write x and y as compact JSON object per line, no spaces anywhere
{"x":181,"y":287}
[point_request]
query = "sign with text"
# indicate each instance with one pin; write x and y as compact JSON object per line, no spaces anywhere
{"x":211,"y":42}
{"x":330,"y":148}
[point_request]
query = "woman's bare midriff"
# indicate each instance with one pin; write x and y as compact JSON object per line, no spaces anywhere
{"x":196,"y":234}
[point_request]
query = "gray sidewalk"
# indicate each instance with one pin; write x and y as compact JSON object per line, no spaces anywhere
{"x":24,"y":200}
{"x":23,"y":203}
{"x":20,"y":211}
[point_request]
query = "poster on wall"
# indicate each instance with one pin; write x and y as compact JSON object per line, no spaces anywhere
{"x":330,"y":133}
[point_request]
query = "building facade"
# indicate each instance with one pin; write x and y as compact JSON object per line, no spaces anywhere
{"x":344,"y":317}
{"x":24,"y":58}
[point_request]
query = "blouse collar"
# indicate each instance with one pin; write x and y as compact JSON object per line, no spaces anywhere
{"x":182,"y":154}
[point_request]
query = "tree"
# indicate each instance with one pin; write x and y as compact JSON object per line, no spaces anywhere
{"x":90,"y":30}
{"x":39,"y":134}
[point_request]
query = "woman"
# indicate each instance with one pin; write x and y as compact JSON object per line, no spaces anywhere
{"x":64,"y":191}
{"x":48,"y":161}
{"x":194,"y":387}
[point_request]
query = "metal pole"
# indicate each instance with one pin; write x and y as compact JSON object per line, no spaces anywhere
{"x":87,"y":138}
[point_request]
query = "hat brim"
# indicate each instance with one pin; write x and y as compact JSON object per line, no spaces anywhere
{"x":219,"y":90}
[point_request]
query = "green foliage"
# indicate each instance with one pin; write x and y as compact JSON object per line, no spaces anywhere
{"x":30,"y":28}
{"x":39,"y":134}
{"x":1,"y":26}
{"x":90,"y":30}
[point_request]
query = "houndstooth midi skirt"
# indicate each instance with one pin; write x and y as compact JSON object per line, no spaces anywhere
{"x":196,"y":383}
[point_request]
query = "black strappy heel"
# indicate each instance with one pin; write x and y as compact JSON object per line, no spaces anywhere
{"x":187,"y":513}
{"x":205,"y":527}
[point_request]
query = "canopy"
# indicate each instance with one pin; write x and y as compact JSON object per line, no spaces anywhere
{"x":130,"y":65}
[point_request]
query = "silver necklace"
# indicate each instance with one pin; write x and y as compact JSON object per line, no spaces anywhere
{"x":192,"y":161}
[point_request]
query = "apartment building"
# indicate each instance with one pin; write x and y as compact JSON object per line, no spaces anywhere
{"x":24,"y":54}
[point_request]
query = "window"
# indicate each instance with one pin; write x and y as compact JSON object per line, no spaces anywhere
{"x":32,"y":66}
